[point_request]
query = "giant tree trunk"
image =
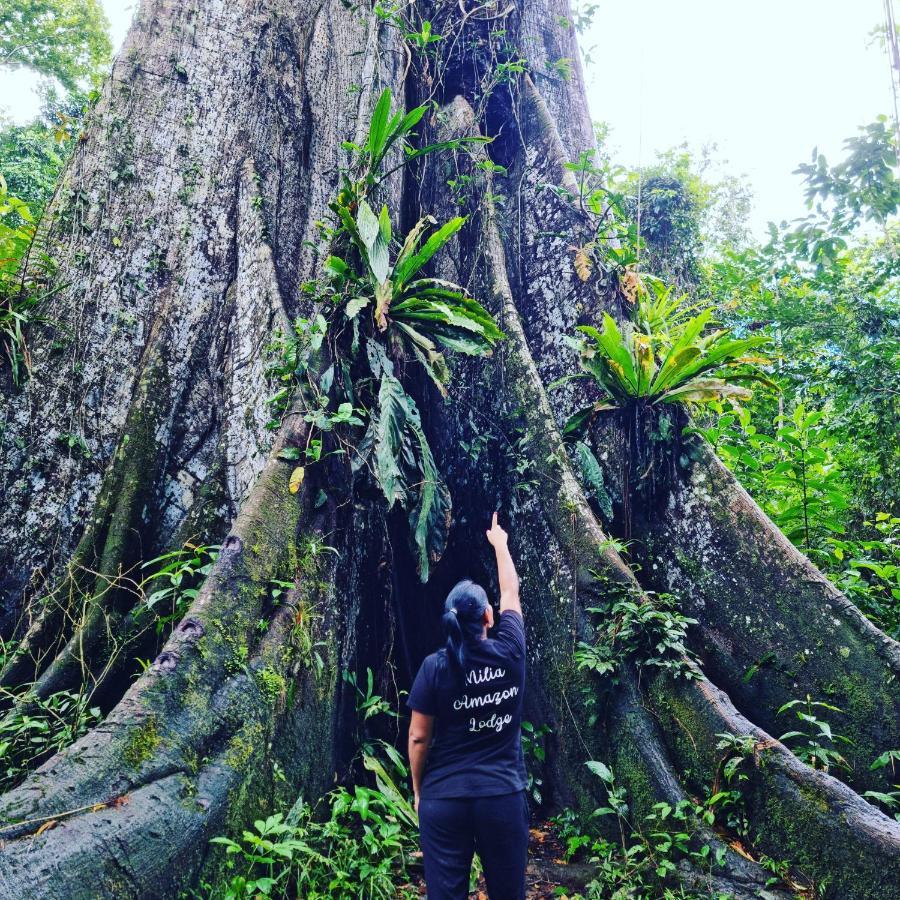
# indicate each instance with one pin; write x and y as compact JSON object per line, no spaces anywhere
{"x":183,"y":228}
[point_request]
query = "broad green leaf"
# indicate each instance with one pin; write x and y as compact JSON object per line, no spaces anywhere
{"x":411,"y":244}
{"x":370,"y":234}
{"x":593,"y":475}
{"x":336,"y":266}
{"x":435,"y":242}
{"x":384,"y":225}
{"x":378,"y":126}
{"x":389,"y":426}
{"x":354,"y":305}
{"x":601,"y":770}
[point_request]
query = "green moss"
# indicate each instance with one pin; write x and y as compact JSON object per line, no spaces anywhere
{"x":271,"y":684}
{"x":630,"y":770}
{"x":142,"y":744}
{"x":238,"y":656}
{"x":691,"y":734}
{"x":191,"y":761}
{"x":243,"y":745}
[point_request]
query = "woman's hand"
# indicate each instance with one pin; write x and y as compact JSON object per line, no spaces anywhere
{"x":416,"y":804}
{"x":495,"y":534}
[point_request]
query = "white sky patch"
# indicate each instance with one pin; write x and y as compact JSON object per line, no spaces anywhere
{"x":765,"y":81}
{"x":19,"y":97}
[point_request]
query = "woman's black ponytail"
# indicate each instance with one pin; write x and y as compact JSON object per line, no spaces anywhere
{"x":463,"y":620}
{"x":455,"y":646}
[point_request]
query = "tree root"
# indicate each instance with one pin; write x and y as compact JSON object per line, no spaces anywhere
{"x":162,"y":772}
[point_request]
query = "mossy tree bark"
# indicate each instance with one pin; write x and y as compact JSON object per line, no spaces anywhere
{"x":183,"y":227}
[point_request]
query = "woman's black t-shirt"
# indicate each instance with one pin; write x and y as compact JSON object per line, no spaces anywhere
{"x":476,"y":748}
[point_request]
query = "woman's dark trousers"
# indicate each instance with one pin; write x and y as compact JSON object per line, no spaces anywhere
{"x":451,"y":830}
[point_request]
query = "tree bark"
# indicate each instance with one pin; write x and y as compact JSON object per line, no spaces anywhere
{"x":183,"y":227}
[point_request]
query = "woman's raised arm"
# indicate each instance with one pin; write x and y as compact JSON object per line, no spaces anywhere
{"x":506,"y":570}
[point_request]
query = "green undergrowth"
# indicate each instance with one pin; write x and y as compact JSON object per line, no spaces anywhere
{"x":29,"y":738}
{"x":359,"y":840}
{"x":669,"y":851}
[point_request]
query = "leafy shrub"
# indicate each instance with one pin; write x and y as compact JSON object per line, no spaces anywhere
{"x":20,"y":293}
{"x":409,"y":316}
{"x":813,"y":739}
{"x":867,"y":569}
{"x":27,"y":739}
{"x":534,"y":753}
{"x":890,"y":800}
{"x":664,"y":357}
{"x":426,"y":311}
{"x":650,"y":632}
{"x":361,"y":849}
{"x":168,"y":592}
{"x":643,"y":862}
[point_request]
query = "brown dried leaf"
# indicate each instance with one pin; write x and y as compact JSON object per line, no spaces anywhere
{"x":738,"y":847}
{"x":631,"y":283}
{"x":582,"y":264}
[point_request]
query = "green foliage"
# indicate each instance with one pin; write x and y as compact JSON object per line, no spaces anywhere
{"x":409,"y":316}
{"x":863,"y":187}
{"x":386,"y":132}
{"x":661,"y":218}
{"x":66,"y":39}
{"x":650,"y":632}
{"x":806,"y":741}
{"x":664,"y":357}
{"x":16,"y":232}
{"x":362,"y":849}
{"x":795,"y":470}
{"x":819,"y":454}
{"x":890,"y":800}
{"x":27,"y":739}
{"x":616,"y":247}
{"x":32,"y":155}
{"x":399,"y":456}
{"x":795,"y":475}
{"x":359,"y":845}
{"x":426,"y":311}
{"x":534,"y":752}
{"x":592,"y":473}
{"x":647,"y":858}
{"x":21,"y":292}
{"x":561,"y":68}
{"x":644,"y":862}
{"x":31,"y":158}
{"x":687,"y":209}
{"x":368,"y":703}
{"x":142,"y":743}
{"x":726,"y":799}
{"x":271,"y":684}
{"x":423,"y":37}
{"x":835,"y":336}
{"x":867,"y":569}
{"x":172,"y":586}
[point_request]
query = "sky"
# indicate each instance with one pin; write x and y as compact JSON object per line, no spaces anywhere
{"x":765,"y":81}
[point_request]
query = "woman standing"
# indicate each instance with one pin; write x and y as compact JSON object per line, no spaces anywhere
{"x":465,"y":747}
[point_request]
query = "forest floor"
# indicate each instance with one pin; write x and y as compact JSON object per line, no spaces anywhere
{"x":548,"y":874}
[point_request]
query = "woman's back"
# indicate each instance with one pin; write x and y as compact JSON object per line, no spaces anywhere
{"x":465,"y":748}
{"x":476,"y":748}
